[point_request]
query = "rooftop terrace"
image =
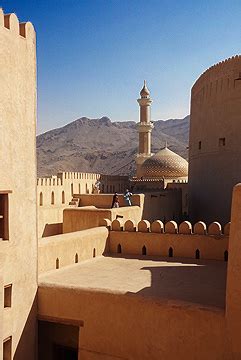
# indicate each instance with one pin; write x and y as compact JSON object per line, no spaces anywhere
{"x":181,"y":281}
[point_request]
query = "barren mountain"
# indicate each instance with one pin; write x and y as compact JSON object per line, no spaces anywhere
{"x":99,"y":145}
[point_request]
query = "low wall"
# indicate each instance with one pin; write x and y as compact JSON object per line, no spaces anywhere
{"x":50,"y":220}
{"x":127,"y":326}
{"x":104,"y":201}
{"x":67,"y":249}
{"x":170,"y":240}
{"x":76,"y":219}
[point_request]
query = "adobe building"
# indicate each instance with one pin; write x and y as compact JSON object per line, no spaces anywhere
{"x":121,"y":288}
{"x":215,"y":141}
{"x":18,"y":220}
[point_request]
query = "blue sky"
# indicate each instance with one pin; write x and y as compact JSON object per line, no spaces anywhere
{"x":93,"y":55}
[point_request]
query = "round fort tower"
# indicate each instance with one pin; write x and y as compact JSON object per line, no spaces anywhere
{"x":215,"y":141}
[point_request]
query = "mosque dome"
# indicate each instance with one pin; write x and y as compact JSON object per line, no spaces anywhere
{"x":144,"y":91}
{"x":164,"y":164}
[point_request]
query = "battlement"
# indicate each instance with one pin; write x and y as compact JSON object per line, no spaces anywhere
{"x":11,"y":23}
{"x":171,"y":227}
{"x":219,"y":78}
{"x":60,"y":177}
{"x":170,"y":240}
{"x":226,"y":72}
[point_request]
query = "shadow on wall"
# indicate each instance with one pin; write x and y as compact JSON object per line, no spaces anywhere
{"x":52,"y":229}
{"x":28,"y":339}
{"x":199,"y":282}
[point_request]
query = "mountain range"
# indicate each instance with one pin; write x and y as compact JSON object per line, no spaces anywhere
{"x":103,"y":146}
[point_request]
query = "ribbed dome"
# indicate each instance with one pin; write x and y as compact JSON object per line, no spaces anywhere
{"x":165,"y":163}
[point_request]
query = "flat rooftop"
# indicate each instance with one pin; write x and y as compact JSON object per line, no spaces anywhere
{"x":174,"y":280}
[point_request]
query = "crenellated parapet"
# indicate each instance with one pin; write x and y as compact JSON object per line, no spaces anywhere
{"x":171,"y":227}
{"x":197,"y":241}
{"x":218,"y":78}
{"x":10,"y":22}
{"x":65,"y":176}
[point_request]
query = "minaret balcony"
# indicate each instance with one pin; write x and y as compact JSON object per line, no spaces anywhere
{"x":145,"y":127}
{"x":144,"y":101}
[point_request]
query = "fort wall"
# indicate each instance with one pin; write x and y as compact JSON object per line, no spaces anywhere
{"x":55,"y":193}
{"x":124,"y":238}
{"x":213,"y":154}
{"x":76,"y":219}
{"x":167,"y":330}
{"x":214,"y":329}
{"x":18,"y":243}
{"x":81,"y":245}
{"x":170,"y":240}
{"x":233,"y":292}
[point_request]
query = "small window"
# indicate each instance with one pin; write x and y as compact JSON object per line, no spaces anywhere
{"x":4,"y":235}
{"x":52,"y":198}
{"x":57,"y":263}
{"x":144,"y":250}
{"x":226,"y":255}
{"x":72,"y":189}
{"x":119,"y":249}
{"x":197,"y":254}
{"x":221,"y":142}
{"x":170,"y":252}
{"x":199,"y":145}
{"x":7,"y":348}
{"x":8,"y":296}
{"x":94,"y":253}
{"x":41,"y":199}
{"x":63,"y":197}
{"x":76,"y":259}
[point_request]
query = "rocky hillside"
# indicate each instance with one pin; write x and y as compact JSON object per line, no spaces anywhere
{"x":99,"y":145}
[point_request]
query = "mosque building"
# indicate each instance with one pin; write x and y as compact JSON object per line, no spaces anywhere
{"x":155,"y":171}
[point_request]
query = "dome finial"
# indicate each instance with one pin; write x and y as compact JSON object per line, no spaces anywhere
{"x":144,"y":91}
{"x":165,"y":144}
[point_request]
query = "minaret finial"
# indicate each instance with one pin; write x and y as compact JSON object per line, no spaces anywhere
{"x":144,"y":91}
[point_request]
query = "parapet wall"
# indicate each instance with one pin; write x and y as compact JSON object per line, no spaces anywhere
{"x":56,"y":192}
{"x":171,"y":240}
{"x":220,"y":77}
{"x":67,"y":249}
{"x":11,"y":23}
{"x":87,"y":217}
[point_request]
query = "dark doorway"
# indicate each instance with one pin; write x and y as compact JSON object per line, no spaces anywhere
{"x":57,"y":341}
{"x":64,"y":353}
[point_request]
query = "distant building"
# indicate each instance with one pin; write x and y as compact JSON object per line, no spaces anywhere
{"x":162,"y":177}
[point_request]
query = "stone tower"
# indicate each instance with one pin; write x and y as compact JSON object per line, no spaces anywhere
{"x":145,"y":127}
{"x":214,"y":141}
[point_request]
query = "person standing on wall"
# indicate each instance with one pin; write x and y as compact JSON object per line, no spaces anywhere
{"x":127,"y":197}
{"x":115,"y":201}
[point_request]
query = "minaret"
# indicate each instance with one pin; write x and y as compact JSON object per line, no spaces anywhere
{"x":145,"y":127}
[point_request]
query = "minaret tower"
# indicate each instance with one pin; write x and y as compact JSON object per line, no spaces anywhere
{"x":145,"y":127}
